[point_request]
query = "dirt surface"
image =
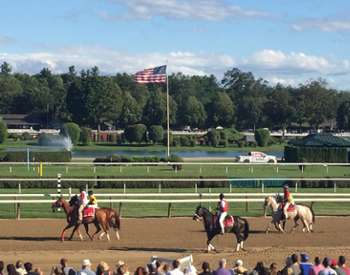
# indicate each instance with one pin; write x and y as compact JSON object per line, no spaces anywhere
{"x":37,"y":241}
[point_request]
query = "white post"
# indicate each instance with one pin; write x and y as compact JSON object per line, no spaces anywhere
{"x":230,"y":188}
{"x":94,"y":169}
{"x":28,"y":160}
{"x":70,"y":192}
{"x":200,"y":170}
{"x":226,"y":170}
{"x":66,"y":169}
{"x":59,"y":187}
{"x":86,"y":188}
{"x":296,"y":187}
{"x":147,"y":169}
{"x":262,"y":187}
{"x":124,"y":188}
{"x":277,"y":169}
{"x":19,"y":189}
{"x":335,"y":187}
{"x":195,"y":188}
{"x":159,"y":188}
{"x":10,"y":169}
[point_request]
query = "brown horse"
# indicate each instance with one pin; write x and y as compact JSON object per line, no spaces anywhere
{"x":104,"y":217}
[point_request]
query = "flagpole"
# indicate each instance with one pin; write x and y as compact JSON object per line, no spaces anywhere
{"x":167,"y":116}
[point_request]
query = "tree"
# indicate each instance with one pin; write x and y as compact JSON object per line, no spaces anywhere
{"x":343,"y":116}
{"x":262,"y":137}
{"x":3,"y":131}
{"x":156,"y":133}
{"x":135,"y":133}
{"x":72,"y":130}
{"x":85,"y":136}
{"x":221,"y":111}
{"x":5,"y":68}
{"x":130,"y":113}
{"x":192,"y":113}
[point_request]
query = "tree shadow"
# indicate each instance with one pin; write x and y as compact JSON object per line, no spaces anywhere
{"x":148,"y":249}
{"x":30,"y":239}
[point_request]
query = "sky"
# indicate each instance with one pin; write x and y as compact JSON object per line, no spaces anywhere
{"x":283,"y":41}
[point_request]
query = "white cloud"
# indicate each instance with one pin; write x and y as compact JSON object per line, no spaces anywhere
{"x":110,"y":61}
{"x":273,"y":65}
{"x":211,"y":10}
{"x":325,"y":25}
{"x":288,"y":63}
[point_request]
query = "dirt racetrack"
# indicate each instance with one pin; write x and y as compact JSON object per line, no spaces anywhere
{"x":37,"y":241}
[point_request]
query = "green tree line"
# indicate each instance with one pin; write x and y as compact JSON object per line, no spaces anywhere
{"x":239,"y":100}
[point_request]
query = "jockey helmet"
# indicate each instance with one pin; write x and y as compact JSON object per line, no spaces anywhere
{"x":221,"y":196}
{"x":81,"y":189}
{"x":285,"y":186}
{"x":90,"y":192}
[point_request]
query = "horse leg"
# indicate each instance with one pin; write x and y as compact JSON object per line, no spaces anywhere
{"x":87,"y":230}
{"x":98,"y":229}
{"x":64,"y":230}
{"x":74,"y":229}
{"x":296,"y":224}
{"x":280,"y":228}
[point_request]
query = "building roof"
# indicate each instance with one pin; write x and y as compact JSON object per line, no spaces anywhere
{"x":19,"y":119}
{"x":320,"y":140}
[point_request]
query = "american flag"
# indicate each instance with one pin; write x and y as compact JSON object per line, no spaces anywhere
{"x":152,"y":75}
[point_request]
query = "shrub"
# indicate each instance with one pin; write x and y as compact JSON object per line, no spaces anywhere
{"x":85,"y":136}
{"x":185,"y":141}
{"x":27,"y":136}
{"x":135,"y":133}
{"x":156,"y":133}
{"x":3,"y":131}
{"x":262,"y":137}
{"x":213,"y":138}
{"x":72,"y":130}
{"x":50,"y":156}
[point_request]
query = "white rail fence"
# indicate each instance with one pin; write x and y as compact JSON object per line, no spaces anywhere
{"x":152,"y":198}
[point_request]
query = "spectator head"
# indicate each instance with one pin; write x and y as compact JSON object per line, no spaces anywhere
{"x":71,"y":272}
{"x":104,"y":266}
{"x":238,"y":263}
{"x":140,"y":271}
{"x":333,"y":263}
{"x":326,"y":262}
{"x":273,"y":267}
{"x":289,"y":261}
{"x":86,"y":263}
{"x":11,"y":269}
{"x":341,"y":260}
{"x":63,"y":262}
{"x":1,"y":266}
{"x":222,"y":263}
{"x":28,"y":266}
{"x":295,"y":258}
{"x":304,"y":257}
{"x":176,"y":264}
{"x":19,"y":264}
{"x":205,"y":266}
{"x":317,"y":261}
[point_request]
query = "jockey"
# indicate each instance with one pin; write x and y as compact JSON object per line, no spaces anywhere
{"x":83,"y":200}
{"x":92,"y":200}
{"x":222,"y":212}
{"x":287,"y":200}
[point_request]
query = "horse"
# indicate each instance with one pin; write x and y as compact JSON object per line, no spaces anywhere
{"x":104,"y":217}
{"x":302,"y":212}
{"x":240,"y":227}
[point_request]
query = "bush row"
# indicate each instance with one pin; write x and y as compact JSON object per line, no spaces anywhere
{"x":123,"y":158}
{"x":315,"y":154}
{"x":21,"y":156}
{"x":165,"y":184}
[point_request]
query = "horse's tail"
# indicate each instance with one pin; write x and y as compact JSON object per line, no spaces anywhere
{"x":115,"y":220}
{"x":313,"y":213}
{"x":245,"y":228}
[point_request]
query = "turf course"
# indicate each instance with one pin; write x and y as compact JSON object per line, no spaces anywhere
{"x":161,"y":210}
{"x":223,"y":171}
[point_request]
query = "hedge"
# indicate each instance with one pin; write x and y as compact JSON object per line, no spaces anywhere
{"x":123,"y":158}
{"x":72,"y":130}
{"x":3,"y":131}
{"x":315,"y":154}
{"x":49,"y":156}
{"x":262,"y":137}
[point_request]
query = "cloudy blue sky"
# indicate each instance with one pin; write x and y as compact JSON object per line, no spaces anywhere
{"x":286,"y":41}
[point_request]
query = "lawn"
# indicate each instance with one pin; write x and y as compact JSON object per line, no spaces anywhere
{"x":222,"y":171}
{"x":160,"y":210}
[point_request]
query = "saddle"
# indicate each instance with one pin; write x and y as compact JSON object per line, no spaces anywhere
{"x":291,"y":208}
{"x":228,"y":222}
{"x":89,"y":212}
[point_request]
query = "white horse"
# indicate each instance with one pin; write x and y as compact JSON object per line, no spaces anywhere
{"x":302,"y":212}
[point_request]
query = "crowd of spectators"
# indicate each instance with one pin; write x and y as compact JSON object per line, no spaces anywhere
{"x":294,"y":265}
